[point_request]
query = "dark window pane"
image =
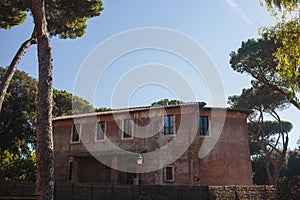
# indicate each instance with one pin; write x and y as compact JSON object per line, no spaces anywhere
{"x":169,"y":125}
{"x":100,"y":131}
{"x":70,"y":171}
{"x":166,"y":131}
{"x":171,"y":117}
{"x":75,"y":133}
{"x":203,"y":125}
{"x":167,"y":121}
{"x":169,"y":173}
{"x":127,"y":129}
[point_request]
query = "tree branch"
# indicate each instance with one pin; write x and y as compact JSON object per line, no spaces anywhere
{"x":11,"y":69}
{"x":292,"y":101}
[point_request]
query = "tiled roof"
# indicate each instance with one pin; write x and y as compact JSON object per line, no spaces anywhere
{"x":133,"y":109}
{"x":145,"y":108}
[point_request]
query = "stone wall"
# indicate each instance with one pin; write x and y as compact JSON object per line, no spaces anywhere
{"x":242,"y":192}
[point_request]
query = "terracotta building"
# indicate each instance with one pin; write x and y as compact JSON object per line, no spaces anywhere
{"x":185,"y":144}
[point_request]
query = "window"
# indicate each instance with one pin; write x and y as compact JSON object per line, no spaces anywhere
{"x":100,"y":131}
{"x":76,"y":133}
{"x":203,"y":125}
{"x":127,"y":129}
{"x":169,"y":174}
{"x":70,"y":170}
{"x":169,"y":125}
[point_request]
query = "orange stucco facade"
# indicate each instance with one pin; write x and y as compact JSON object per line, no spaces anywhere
{"x":219,"y":157}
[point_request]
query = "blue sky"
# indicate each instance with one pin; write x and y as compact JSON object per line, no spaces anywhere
{"x":218,"y":26}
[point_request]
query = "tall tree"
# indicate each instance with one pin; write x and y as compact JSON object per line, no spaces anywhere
{"x":286,"y":34}
{"x":289,"y":184}
{"x":256,"y":57}
{"x":258,"y":157}
{"x":67,"y":104}
{"x":17,"y":125}
{"x":44,"y":148}
{"x":66,"y":19}
{"x":171,"y":102}
{"x":15,"y":167}
{"x":17,"y":118}
{"x":44,"y":186}
{"x":13,"y":13}
{"x":293,"y":164}
{"x":275,"y":6}
{"x":271,"y":137}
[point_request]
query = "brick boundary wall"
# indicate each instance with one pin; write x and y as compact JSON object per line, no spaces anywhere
{"x":76,"y":191}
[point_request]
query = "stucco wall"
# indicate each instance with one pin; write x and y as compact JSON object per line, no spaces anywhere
{"x":228,"y":163}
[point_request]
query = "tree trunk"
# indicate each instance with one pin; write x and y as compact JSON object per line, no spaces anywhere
{"x":11,"y":69}
{"x":44,"y":147}
{"x":273,"y":165}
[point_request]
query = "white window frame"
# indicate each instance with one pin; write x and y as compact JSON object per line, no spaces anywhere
{"x":174,"y":125}
{"x":165,"y":174}
{"x":208,"y":128}
{"x":79,"y":133}
{"x":123,"y":129}
{"x":104,"y":133}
